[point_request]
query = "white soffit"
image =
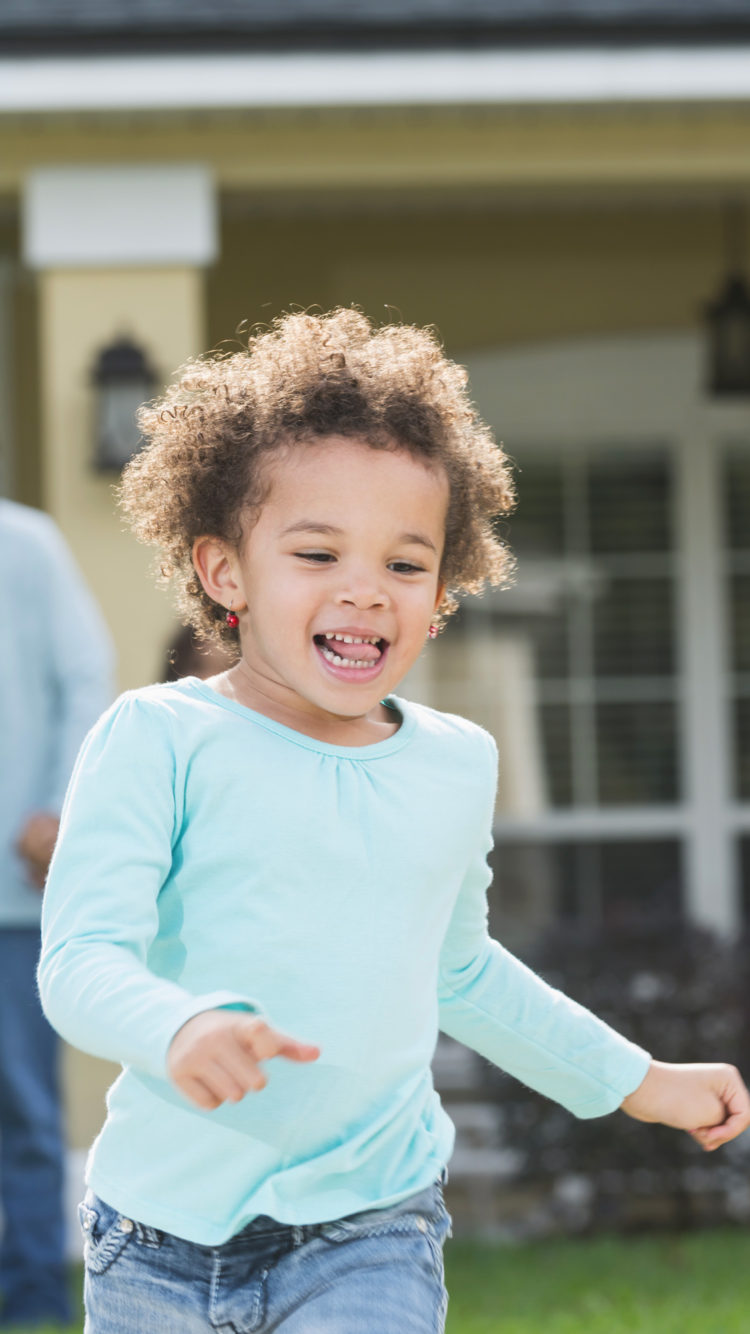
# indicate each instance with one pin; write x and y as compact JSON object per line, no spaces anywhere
{"x":155,"y":83}
{"x":133,"y":215}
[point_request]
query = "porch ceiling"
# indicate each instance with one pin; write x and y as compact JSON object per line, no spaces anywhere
{"x":505,"y":153}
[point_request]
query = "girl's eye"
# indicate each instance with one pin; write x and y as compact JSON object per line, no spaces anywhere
{"x":326,"y":557}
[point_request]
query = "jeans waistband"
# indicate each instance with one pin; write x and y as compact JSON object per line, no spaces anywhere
{"x":423,"y":1201}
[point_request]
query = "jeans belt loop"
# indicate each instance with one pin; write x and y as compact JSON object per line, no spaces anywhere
{"x":150,"y":1236}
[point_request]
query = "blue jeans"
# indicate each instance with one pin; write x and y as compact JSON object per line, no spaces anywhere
{"x":33,"y":1276}
{"x":379,"y":1272}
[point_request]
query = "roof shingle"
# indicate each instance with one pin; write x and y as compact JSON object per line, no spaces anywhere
{"x":34,"y":25}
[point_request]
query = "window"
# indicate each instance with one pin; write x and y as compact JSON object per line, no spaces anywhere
{"x":615,"y":674}
{"x":594,"y":605}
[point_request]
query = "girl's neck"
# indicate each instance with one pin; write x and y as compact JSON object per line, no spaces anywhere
{"x":241,"y":685}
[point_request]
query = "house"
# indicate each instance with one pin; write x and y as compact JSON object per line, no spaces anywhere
{"x":559,"y":186}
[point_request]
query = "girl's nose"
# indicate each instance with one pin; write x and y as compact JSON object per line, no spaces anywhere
{"x":362,"y":591}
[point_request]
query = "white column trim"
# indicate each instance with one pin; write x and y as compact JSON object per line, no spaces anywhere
{"x":114,"y":217}
{"x":710,"y":873}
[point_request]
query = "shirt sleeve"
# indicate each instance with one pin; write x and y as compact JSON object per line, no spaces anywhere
{"x":99,"y":913}
{"x":493,"y":1003}
{"x":81,"y":661}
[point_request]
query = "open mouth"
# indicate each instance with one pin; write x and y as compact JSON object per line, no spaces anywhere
{"x":356,"y":652}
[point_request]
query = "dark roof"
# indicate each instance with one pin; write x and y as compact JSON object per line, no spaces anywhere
{"x":90,"y":25}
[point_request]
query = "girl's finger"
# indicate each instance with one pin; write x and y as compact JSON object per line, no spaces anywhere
{"x":264,"y":1042}
{"x":222,"y":1083}
{"x":712,"y":1137}
{"x":242,"y":1066}
{"x":732,"y":1127}
{"x":298,"y":1051}
{"x":702,"y":1137}
{"x":196,"y":1091}
{"x":737,"y":1102}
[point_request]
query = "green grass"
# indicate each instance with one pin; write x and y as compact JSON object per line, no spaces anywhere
{"x":694,"y":1284}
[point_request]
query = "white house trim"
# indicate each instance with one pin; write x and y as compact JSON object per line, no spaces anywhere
{"x":383,"y":78}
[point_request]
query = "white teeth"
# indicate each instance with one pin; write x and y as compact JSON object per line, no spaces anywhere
{"x":330,"y":656}
{"x":353,"y":639}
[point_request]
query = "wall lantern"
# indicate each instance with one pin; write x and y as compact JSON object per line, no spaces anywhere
{"x":123,"y":380}
{"x":728,"y":319}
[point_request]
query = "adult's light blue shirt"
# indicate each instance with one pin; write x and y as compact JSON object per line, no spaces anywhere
{"x":55,"y":680}
{"x":210,"y":856}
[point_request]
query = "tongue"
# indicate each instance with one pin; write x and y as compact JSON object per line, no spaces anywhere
{"x":361,"y":652}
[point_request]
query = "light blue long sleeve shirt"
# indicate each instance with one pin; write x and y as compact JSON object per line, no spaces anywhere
{"x":210,"y":856}
{"x":55,"y":679}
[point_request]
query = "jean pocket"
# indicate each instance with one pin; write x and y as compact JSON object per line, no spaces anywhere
{"x":106,"y":1233}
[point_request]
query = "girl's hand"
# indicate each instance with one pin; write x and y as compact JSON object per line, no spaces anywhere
{"x":214,"y":1057}
{"x":709,"y":1101}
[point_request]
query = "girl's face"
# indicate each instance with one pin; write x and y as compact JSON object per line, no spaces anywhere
{"x":338,"y":577}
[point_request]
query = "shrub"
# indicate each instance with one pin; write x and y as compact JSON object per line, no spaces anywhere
{"x":682,"y":994}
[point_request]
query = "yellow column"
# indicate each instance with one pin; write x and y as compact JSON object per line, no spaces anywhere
{"x":81,"y":311}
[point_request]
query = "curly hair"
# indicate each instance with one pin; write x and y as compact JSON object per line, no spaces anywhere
{"x":201,"y":470}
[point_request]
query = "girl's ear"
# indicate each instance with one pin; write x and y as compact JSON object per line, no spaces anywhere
{"x":439,"y":595}
{"x":217,"y":568}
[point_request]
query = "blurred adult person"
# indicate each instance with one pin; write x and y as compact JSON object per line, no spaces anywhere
{"x":55,"y":679}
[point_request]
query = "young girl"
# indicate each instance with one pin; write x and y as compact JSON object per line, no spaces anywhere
{"x":269,"y":890}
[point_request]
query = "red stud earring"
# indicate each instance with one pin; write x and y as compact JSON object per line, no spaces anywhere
{"x":233,"y":619}
{"x":432,"y":633}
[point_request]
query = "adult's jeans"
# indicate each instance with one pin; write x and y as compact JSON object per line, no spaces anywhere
{"x":378,"y":1272}
{"x":32,"y":1251}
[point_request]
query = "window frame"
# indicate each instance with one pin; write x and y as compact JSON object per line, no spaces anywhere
{"x":643,"y":390}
